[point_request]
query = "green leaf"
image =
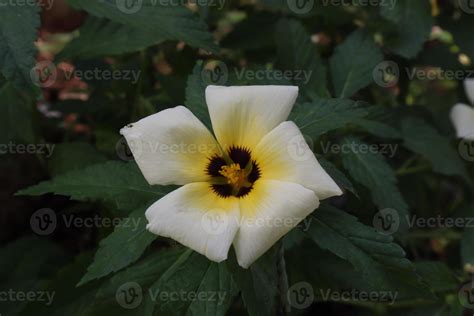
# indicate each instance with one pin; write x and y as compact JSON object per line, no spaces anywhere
{"x":423,"y":139}
{"x":139,"y":276}
{"x":294,"y":238}
{"x":451,"y":307}
{"x":298,"y":54}
{"x":193,"y":273}
{"x":216,"y":280}
{"x":67,"y":157}
{"x":68,"y":299}
{"x":328,"y":273}
{"x":437,"y":275}
{"x":467,"y":246}
{"x":374,"y":255}
{"x":377,"y":128}
{"x":113,"y":181}
{"x":258,"y":284}
{"x":239,"y":39}
{"x":170,"y":22}
{"x":324,"y":115}
{"x":101,"y":37}
{"x":121,"y":248}
{"x":275,"y":5}
{"x":412,"y":22}
{"x":18,"y":31}
{"x":144,"y":272}
{"x":26,"y":265}
{"x":28,"y":258}
{"x":372,"y":171}
{"x":353,"y":63}
{"x":195,"y":95}
{"x":380,"y":122}
{"x":16,"y":119}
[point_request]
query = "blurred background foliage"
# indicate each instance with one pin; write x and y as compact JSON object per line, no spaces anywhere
{"x":366,"y":61}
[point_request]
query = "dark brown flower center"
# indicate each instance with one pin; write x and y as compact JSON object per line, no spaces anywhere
{"x":234,"y":174}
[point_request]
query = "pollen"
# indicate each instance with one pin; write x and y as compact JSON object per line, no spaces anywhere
{"x":234,"y":174}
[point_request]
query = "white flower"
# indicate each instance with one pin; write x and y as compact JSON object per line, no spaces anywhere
{"x":248,"y":186}
{"x":462,"y":115}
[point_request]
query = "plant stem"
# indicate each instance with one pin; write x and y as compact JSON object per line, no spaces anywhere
{"x":412,"y":170}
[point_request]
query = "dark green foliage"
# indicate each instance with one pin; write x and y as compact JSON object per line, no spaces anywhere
{"x":378,"y":125}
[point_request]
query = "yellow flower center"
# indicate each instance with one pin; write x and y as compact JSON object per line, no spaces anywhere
{"x":234,"y":174}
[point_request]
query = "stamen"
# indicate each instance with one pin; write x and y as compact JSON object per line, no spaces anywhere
{"x":234,"y":174}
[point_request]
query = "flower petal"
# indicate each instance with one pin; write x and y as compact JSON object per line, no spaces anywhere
{"x":283,"y":154}
{"x":197,"y":218}
{"x":469,"y":88}
{"x":268,"y":212}
{"x":241,"y":116}
{"x":171,"y":146}
{"x":462,"y":117}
